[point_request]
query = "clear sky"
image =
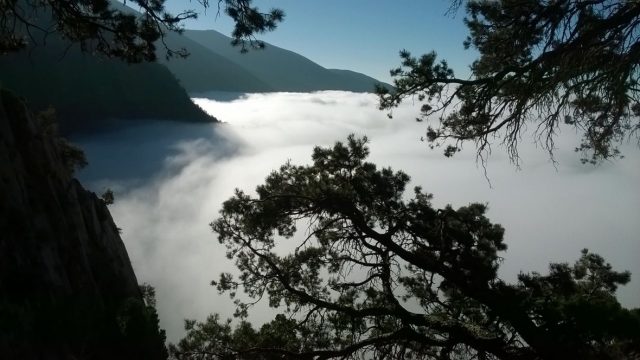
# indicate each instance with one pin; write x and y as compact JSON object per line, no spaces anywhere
{"x":359,"y":35}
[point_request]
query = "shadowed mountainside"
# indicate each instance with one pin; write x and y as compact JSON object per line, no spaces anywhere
{"x":204,"y":70}
{"x":93,"y":94}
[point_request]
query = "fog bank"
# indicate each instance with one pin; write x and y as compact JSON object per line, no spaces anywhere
{"x":550,"y":212}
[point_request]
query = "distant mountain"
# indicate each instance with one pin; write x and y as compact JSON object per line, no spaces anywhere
{"x":204,"y":70}
{"x":215,"y":65}
{"x":354,"y":76}
{"x":91,"y":93}
{"x":274,"y":68}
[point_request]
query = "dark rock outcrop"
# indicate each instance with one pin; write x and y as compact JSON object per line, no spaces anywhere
{"x":67,"y":287}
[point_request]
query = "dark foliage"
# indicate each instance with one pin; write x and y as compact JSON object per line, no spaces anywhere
{"x":72,"y":156}
{"x":98,"y":27}
{"x":360,"y":271}
{"x":108,"y":198}
{"x":542,"y":63}
{"x":93,"y":93}
{"x":139,"y":327}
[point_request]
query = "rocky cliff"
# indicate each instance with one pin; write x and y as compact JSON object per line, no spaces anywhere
{"x":67,"y":287}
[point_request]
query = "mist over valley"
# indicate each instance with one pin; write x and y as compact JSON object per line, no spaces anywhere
{"x":170,"y":180}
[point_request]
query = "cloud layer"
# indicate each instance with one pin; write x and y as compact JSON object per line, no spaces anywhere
{"x":549,"y":213}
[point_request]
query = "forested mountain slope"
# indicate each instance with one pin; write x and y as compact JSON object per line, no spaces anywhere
{"x":90,"y":93}
{"x":204,"y":70}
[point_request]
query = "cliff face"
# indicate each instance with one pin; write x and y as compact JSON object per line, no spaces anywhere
{"x":67,"y":287}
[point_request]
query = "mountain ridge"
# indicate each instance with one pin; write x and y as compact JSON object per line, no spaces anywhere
{"x":91,"y":93}
{"x":197,"y":74}
{"x":281,"y":69}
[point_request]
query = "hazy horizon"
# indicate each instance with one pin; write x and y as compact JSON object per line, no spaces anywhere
{"x":549,"y":212}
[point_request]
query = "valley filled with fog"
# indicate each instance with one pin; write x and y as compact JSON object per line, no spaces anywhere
{"x":170,"y":180}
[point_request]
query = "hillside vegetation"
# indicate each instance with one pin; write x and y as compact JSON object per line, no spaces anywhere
{"x":91,"y":93}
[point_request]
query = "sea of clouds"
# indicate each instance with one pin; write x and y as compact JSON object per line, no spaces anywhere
{"x":171,"y":179}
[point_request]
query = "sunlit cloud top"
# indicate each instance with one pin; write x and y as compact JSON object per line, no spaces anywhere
{"x":550,"y":212}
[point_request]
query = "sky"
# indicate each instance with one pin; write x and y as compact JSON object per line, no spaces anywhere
{"x":359,"y":35}
{"x":549,"y":212}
